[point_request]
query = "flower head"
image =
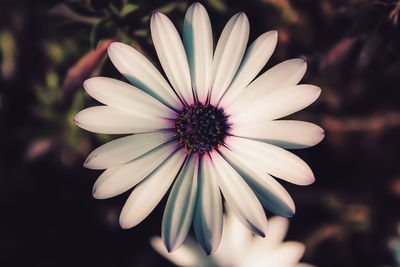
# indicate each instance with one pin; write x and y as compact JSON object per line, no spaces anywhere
{"x":240,"y":248}
{"x":211,"y":129}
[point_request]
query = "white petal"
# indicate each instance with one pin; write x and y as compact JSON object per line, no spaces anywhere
{"x":125,"y":97}
{"x":198,"y":41}
{"x":208,"y":211}
{"x":276,"y":105}
{"x":277,"y":230}
{"x":286,"y":255}
{"x":228,"y":54}
{"x":235,"y":240}
{"x":283,"y":133}
{"x":178,"y":212}
{"x":239,"y":196}
{"x":302,"y":264}
{"x":272,"y":159}
{"x":172,"y":56}
{"x":116,"y":180}
{"x":271,"y":194}
{"x":189,"y":254}
{"x":285,"y":74}
{"x":124,"y":149}
{"x":145,"y":197}
{"x":254,"y":60}
{"x":107,"y":120}
{"x":142,"y":73}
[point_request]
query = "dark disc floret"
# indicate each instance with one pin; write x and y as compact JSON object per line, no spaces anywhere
{"x":201,"y":128}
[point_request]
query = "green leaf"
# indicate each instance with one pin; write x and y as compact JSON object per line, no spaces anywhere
{"x":219,"y":5}
{"x":141,"y":33}
{"x":168,"y":8}
{"x":8,"y":53}
{"x":103,"y":138}
{"x":128,"y":9}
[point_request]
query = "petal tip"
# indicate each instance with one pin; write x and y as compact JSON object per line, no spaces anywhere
{"x":114,"y":46}
{"x":76,"y":119}
{"x":172,"y":246}
{"x":94,"y":191}
{"x":198,"y":7}
{"x":155,"y":14}
{"x":239,"y":16}
{"x":300,"y":62}
{"x":122,"y":224}
{"x":98,"y":194}
{"x":88,"y":160}
{"x":275,"y":34}
{"x":208,"y":252}
{"x":290,"y":214}
{"x":111,"y":46}
{"x":318,"y":90}
{"x":169,"y":248}
{"x":207,"y":248}
{"x":243,"y":16}
{"x":87,"y":84}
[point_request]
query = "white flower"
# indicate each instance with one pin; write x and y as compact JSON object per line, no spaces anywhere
{"x":214,"y":130}
{"x":394,"y":246}
{"x":239,"y":248}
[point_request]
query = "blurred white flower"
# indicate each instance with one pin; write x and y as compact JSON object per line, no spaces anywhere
{"x":240,"y":248}
{"x":214,"y":130}
{"x":394,"y":246}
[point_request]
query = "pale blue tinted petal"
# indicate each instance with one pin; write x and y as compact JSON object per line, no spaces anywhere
{"x":208,"y":213}
{"x":124,"y":149}
{"x":108,"y":120}
{"x":142,"y":73}
{"x":272,"y":159}
{"x":198,"y":41}
{"x":172,"y":55}
{"x":276,"y":105}
{"x":178,"y":212}
{"x":285,"y":74}
{"x":228,"y":54}
{"x":270,"y":193}
{"x":116,"y":180}
{"x":257,"y":55}
{"x":284,"y":133}
{"x":126,"y":97}
{"x":239,"y":196}
{"x":145,"y":197}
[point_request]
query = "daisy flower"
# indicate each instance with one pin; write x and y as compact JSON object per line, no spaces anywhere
{"x":240,"y":248}
{"x":211,"y":129}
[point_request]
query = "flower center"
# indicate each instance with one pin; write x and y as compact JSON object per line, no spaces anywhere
{"x":201,"y":128}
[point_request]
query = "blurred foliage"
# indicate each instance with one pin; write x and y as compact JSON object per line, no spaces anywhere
{"x":349,"y":217}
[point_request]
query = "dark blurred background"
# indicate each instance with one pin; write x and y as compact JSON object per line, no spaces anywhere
{"x":349,"y":217}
